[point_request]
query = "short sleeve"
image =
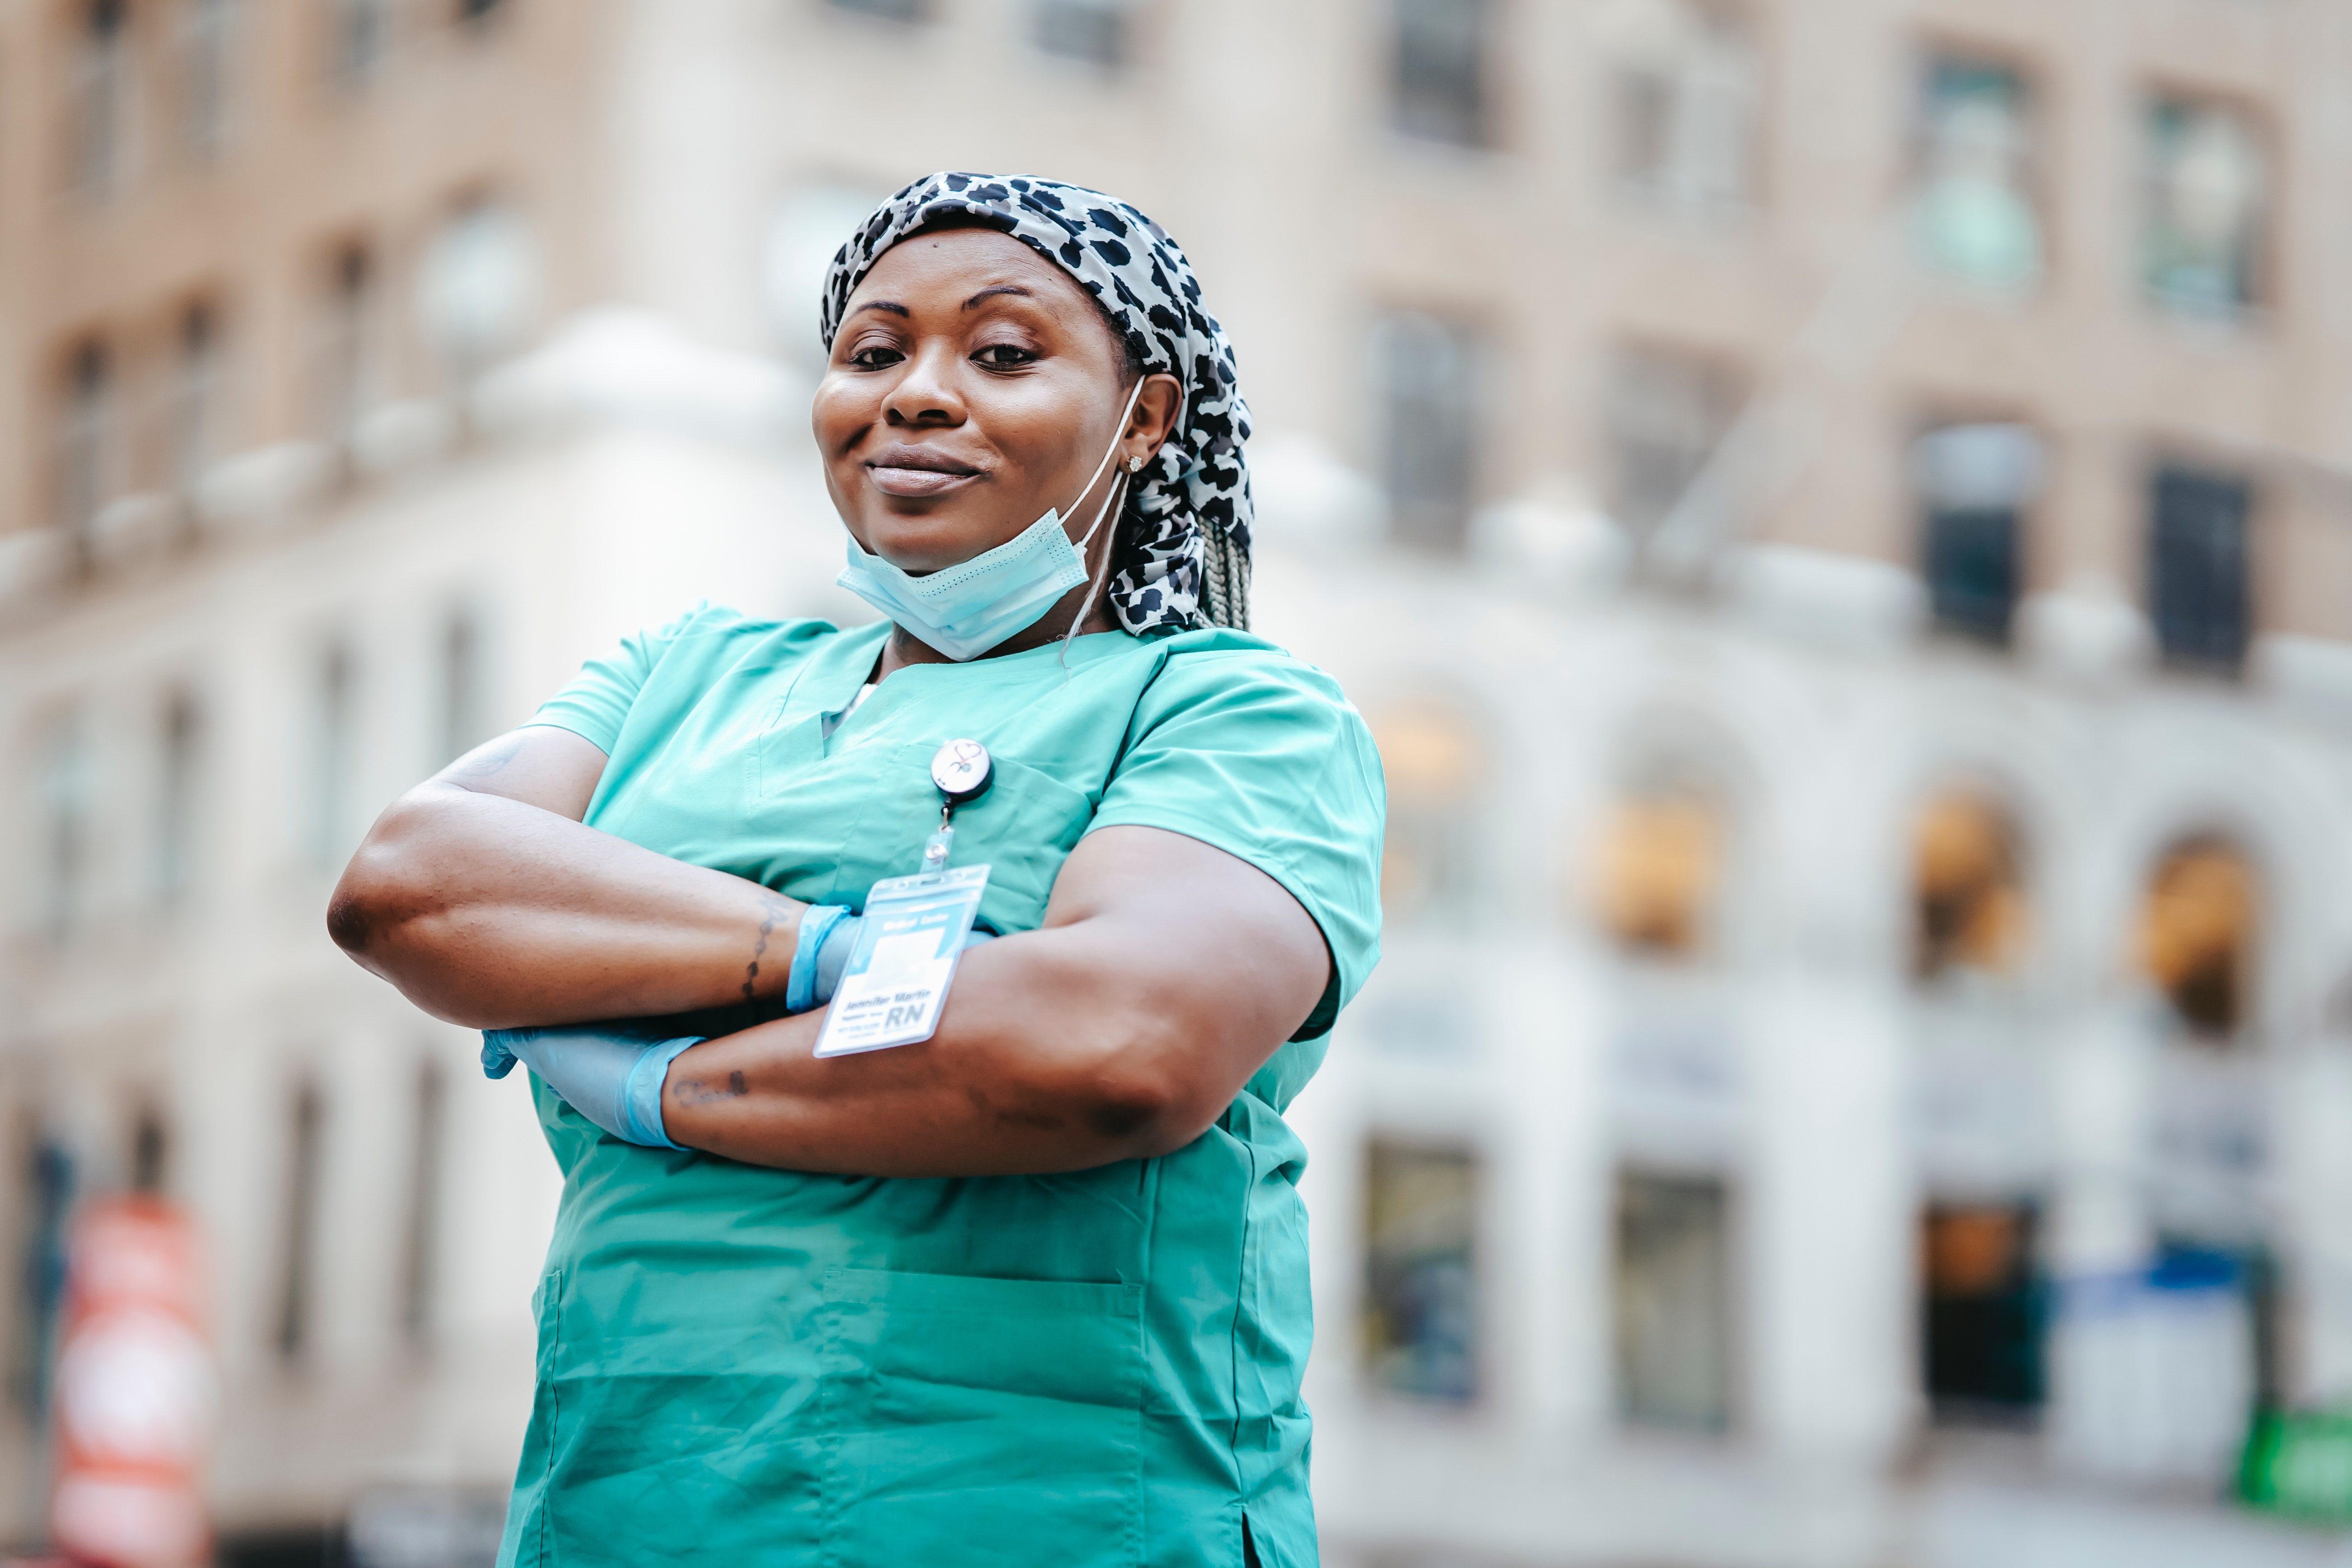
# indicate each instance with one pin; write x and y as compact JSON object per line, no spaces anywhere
{"x":597,"y":702}
{"x":1260,"y":756}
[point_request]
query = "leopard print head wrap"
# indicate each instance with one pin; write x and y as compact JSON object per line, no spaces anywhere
{"x":1182,"y":556}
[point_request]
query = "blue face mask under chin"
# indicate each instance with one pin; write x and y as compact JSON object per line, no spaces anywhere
{"x":966,"y":609}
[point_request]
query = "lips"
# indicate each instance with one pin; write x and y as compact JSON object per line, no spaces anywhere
{"x":909,"y":470}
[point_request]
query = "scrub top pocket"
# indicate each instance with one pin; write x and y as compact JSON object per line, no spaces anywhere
{"x":1022,"y":829}
{"x":982,"y":1422}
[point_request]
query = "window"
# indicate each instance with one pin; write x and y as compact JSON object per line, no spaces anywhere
{"x":1095,"y":31}
{"x":421,"y":1237}
{"x":1667,"y":411}
{"x":908,"y":11}
{"x":175,"y":798}
{"x":67,"y":787}
{"x":206,"y":53}
{"x":1427,"y":371}
{"x":1433,"y":763}
{"x":479,"y":286}
{"x":2199,"y":590}
{"x":1974,"y":483}
{"x":1439,"y":86}
{"x":1972,"y":215}
{"x":99,"y":98}
{"x":1686,"y":106}
{"x":331,"y":764}
{"x":2200,"y":248}
{"x":151,"y":1151}
{"x":1971,"y":910}
{"x":1421,"y":1268}
{"x":1660,"y":871}
{"x":49,"y":1204}
{"x":359,"y":34}
{"x":347,"y":371}
{"x":2168,"y":1363}
{"x":195,"y":412}
{"x":809,"y":226}
{"x":88,"y":439}
{"x":298,"y":1241}
{"x":1672,"y":1303}
{"x":1983,"y":1311}
{"x":2197,"y":933}
{"x":461,"y":685}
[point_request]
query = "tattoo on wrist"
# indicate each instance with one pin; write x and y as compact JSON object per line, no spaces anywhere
{"x":775,"y":910}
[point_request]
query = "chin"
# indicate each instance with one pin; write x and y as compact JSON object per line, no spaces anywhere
{"x":929,"y":542}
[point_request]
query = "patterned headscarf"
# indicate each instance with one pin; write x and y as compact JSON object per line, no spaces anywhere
{"x":1182,"y":557}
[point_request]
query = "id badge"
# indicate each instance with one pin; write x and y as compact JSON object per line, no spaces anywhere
{"x":895,"y":982}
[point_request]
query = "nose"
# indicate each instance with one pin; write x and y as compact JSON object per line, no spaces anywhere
{"x":925,"y":395}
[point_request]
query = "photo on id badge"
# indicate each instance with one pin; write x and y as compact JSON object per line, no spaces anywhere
{"x":895,"y":982}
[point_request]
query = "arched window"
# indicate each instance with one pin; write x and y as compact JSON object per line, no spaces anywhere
{"x":1969,"y":910}
{"x":2196,"y":934}
{"x":1434,"y":762}
{"x":1659,"y":871}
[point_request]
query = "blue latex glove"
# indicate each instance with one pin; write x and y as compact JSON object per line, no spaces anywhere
{"x":605,"y":1072}
{"x":828,"y":936}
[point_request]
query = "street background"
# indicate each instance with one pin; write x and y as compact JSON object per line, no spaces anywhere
{"x":1839,"y":513}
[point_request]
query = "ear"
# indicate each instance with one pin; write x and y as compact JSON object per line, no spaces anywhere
{"x":1154,"y":421}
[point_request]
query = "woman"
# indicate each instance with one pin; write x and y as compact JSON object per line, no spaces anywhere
{"x":1035,"y":1289}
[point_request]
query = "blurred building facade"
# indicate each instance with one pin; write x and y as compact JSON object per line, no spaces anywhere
{"x":1836,"y":508}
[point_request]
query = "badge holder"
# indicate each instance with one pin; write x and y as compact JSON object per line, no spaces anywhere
{"x":895,"y":982}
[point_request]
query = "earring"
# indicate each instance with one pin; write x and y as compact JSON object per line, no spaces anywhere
{"x":1135,"y":465}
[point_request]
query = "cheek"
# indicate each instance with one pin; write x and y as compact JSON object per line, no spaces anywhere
{"x":840,"y":410}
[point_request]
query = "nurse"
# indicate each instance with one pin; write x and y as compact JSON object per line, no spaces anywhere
{"x":1033,"y":1290}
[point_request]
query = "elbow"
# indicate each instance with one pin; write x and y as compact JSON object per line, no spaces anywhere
{"x":363,"y":904}
{"x":1138,"y":1100}
{"x":378,"y":891}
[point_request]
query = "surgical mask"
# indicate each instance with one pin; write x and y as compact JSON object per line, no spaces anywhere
{"x":966,"y":609}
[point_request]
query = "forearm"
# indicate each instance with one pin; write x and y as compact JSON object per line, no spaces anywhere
{"x":493,"y":914}
{"x":1038,"y":1066}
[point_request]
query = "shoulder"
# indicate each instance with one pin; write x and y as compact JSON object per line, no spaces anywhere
{"x":710,"y":635}
{"x":723,"y":623}
{"x":1240,"y":708}
{"x":1226,"y":669}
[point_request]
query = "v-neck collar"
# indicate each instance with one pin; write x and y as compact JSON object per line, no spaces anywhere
{"x":861,"y":649}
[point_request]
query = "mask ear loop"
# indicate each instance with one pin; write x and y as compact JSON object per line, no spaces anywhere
{"x":1118,"y":494}
{"x":1094,"y":584}
{"x":1108,"y":453}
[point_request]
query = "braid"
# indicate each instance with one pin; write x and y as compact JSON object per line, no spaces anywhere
{"x":1224,"y":579}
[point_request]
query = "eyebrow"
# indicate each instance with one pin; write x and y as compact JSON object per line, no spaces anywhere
{"x":891,"y":305}
{"x":998,"y":289}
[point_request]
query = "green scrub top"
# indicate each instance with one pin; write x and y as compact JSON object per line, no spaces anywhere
{"x":744,"y":1365}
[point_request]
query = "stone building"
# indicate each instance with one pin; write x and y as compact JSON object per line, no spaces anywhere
{"x":1835,"y":508}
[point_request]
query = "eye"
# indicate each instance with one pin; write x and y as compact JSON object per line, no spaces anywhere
{"x":875,"y":356}
{"x":1005,"y":356}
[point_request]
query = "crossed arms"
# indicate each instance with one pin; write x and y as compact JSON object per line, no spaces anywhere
{"x":1165,"y":974}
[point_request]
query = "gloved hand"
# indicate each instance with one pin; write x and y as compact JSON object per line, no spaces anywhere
{"x":606,"y":1073}
{"x":828,"y":936}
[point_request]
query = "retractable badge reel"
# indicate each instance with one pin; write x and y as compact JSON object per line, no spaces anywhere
{"x":895,"y":982}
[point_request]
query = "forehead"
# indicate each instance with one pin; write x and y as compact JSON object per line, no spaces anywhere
{"x":946,"y":266}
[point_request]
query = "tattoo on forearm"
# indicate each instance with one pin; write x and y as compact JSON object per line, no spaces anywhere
{"x":777,"y":909}
{"x":694,"y":1091}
